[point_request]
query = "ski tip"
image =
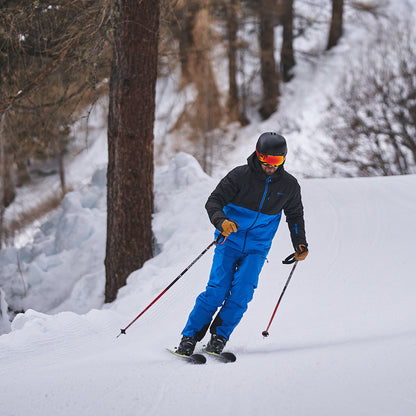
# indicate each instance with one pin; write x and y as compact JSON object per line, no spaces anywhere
{"x":198,"y":358}
{"x":229,"y":356}
{"x":194,"y":358}
{"x":226,"y":357}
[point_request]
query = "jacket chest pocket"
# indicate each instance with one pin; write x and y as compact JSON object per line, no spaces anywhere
{"x":274,"y":202}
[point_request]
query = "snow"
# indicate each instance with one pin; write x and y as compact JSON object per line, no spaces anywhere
{"x":63,"y":266}
{"x":342,"y":341}
{"x":343,"y":338}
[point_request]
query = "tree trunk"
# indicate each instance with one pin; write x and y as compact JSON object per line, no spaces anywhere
{"x":2,"y":180}
{"x":269,"y":75}
{"x":207,"y":107}
{"x":62,"y":172}
{"x":7,"y":185}
{"x":186,"y":17}
{"x":287,"y":58}
{"x":232,"y":27}
{"x":130,"y":141}
{"x":335,"y":31}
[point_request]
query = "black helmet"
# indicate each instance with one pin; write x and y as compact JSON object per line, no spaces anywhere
{"x":271,"y":148}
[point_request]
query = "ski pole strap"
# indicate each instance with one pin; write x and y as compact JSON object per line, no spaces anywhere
{"x":289,"y":259}
{"x":220,"y":239}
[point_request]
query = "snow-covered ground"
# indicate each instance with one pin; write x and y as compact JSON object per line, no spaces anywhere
{"x":342,"y":342}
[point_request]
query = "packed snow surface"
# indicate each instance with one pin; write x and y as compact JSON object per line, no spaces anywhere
{"x":342,"y":342}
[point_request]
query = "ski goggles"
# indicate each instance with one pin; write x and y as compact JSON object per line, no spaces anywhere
{"x":270,"y":160}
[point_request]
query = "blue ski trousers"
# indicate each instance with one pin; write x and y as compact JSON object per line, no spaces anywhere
{"x":233,"y":278}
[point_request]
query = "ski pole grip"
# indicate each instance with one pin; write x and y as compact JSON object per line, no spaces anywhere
{"x":289,"y":259}
{"x":220,"y":239}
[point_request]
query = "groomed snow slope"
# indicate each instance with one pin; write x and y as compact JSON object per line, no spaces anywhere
{"x":342,"y":343}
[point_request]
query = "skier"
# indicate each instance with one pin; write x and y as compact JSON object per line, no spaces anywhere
{"x":245,"y":207}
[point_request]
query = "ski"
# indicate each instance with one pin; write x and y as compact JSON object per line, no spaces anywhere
{"x":225,"y":357}
{"x":193,"y":358}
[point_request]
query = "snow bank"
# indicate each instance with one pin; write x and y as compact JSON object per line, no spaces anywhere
{"x":62,"y":269}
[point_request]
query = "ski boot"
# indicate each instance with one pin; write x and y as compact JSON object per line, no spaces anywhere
{"x":216,"y":344}
{"x":186,"y":346}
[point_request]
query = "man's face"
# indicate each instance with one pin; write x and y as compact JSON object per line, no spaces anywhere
{"x":269,"y":169}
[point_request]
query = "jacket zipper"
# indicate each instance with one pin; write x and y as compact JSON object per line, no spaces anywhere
{"x":258,"y":211}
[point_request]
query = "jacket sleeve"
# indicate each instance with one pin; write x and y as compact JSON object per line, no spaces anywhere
{"x":294,"y":217}
{"x":221,"y":196}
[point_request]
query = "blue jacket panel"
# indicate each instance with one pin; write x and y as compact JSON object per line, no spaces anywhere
{"x":256,"y":230}
{"x":255,"y":201}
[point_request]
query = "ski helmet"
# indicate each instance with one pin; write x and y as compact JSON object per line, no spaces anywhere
{"x":271,"y":149}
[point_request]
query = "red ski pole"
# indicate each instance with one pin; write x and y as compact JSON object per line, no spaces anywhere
{"x":290,"y":259}
{"x":218,"y":240}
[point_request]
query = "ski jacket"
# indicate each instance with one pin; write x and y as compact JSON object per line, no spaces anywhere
{"x":255,"y":201}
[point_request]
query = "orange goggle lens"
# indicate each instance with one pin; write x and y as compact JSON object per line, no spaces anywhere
{"x":270,"y":160}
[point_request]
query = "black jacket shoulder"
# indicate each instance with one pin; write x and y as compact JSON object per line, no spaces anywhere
{"x":247,"y":186}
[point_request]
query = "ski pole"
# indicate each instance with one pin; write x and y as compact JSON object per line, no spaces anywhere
{"x":219,"y":240}
{"x":288,"y":260}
